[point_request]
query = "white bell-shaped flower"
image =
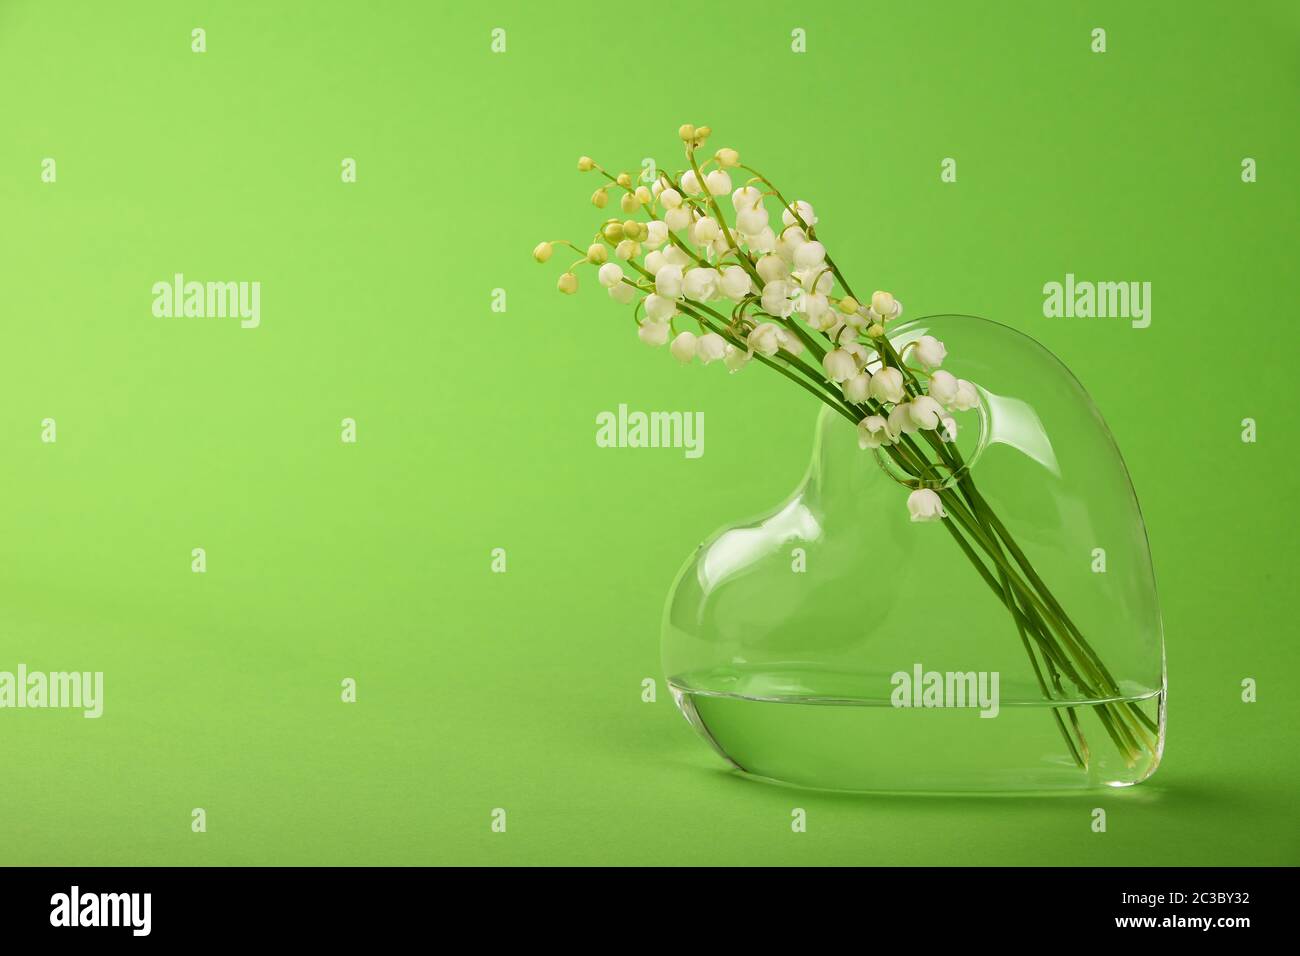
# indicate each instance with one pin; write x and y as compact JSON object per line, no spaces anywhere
{"x":887,"y":385}
{"x":839,"y":365}
{"x":968,"y":396}
{"x":668,"y":281}
{"x":711,"y":347}
{"x":659,"y":308}
{"x":857,"y":389}
{"x":701,"y":284}
{"x":772,"y":267}
{"x":943,"y":388}
{"x":873,"y":431}
{"x":610,"y":275}
{"x":926,"y":412}
{"x":684,"y":346}
{"x":765,"y":339}
{"x":678,"y":218}
{"x":653,"y":333}
{"x":925,"y":505}
{"x":719,"y":182}
{"x":736,"y":283}
{"x":930,"y":352}
{"x":777,"y":299}
{"x":805,"y":212}
{"x":735,"y":359}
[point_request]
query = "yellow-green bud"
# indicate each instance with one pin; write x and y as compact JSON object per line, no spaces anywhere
{"x":635,"y":230}
{"x":627,"y":249}
{"x":629,"y":202}
{"x":568,"y":283}
{"x":727,"y":157}
{"x":597,"y":254}
{"x":586,"y":164}
{"x":613,"y":232}
{"x":687,"y":132}
{"x":542,"y":251}
{"x":599,"y":198}
{"x":849,"y":305}
{"x":876,"y":331}
{"x":625,"y":180}
{"x":643,"y":195}
{"x":701,"y":134}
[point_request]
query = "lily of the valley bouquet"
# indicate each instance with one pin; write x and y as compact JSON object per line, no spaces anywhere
{"x":720,"y":266}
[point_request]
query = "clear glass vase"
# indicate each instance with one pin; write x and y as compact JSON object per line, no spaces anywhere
{"x":835,"y":643}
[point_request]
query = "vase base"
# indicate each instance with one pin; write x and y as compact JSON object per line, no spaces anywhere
{"x":868,"y":745}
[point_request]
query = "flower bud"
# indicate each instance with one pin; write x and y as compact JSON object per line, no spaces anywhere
{"x":719,"y":182}
{"x":633,"y":229}
{"x":627,"y":249}
{"x":876,"y":331}
{"x":671,"y":198}
{"x":600,"y":198}
{"x":691,"y":183}
{"x":586,"y":164}
{"x":624,"y":180}
{"x":628,"y":203}
{"x":568,"y":283}
{"x":613,"y":231}
{"x":643,"y":196}
{"x":702,"y":133}
{"x":882,"y":303}
{"x":687,"y":132}
{"x":542,"y":251}
{"x":728,"y":158}
{"x":849,"y":305}
{"x":597,"y":253}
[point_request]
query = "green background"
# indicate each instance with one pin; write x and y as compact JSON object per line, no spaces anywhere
{"x":476,"y":428}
